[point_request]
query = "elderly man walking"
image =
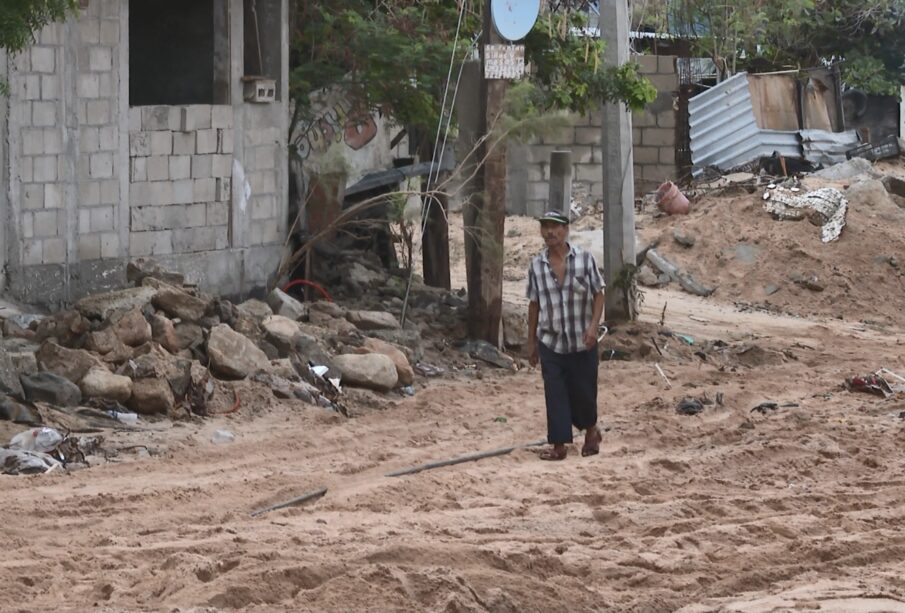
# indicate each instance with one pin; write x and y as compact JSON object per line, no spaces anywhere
{"x":565,"y":291}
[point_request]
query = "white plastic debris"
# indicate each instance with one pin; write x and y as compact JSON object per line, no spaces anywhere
{"x":42,"y":440}
{"x":127,"y":418}
{"x":829,"y":203}
{"x":222,"y":437}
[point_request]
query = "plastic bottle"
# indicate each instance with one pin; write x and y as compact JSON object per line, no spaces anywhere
{"x":127,"y":418}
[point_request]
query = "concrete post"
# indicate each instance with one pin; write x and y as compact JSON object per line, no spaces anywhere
{"x":561,"y":181}
{"x":618,"y":177}
{"x":902,"y":114}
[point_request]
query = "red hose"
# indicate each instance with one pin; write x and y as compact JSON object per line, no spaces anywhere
{"x":319,"y":288}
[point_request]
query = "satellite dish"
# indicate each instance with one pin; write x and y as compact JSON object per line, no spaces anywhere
{"x":513,"y":19}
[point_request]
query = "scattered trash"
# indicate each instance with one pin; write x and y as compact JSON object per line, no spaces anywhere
{"x":689,"y":406}
{"x":42,"y":440}
{"x":126,"y":418}
{"x":885,"y":148}
{"x":702,"y":320}
{"x":869,"y":384}
{"x":407,"y":390}
{"x":763,"y":407}
{"x":428,"y":370}
{"x":828,"y":206}
{"x":663,"y":374}
{"x":21,"y":462}
{"x":222,"y":437}
{"x":500,"y":420}
{"x":482,"y":350}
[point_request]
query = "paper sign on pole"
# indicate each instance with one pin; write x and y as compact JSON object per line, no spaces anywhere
{"x":504,"y":61}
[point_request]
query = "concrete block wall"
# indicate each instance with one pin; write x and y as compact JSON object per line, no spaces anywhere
{"x":87,"y":183}
{"x":653,"y":151}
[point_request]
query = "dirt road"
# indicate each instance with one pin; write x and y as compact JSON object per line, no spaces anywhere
{"x":798,"y":508}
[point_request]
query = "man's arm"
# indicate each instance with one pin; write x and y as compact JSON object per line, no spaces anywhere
{"x":533,"y":312}
{"x":590,"y":335}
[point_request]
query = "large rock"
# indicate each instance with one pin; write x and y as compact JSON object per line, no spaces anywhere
{"x":285,"y":305}
{"x":178,"y":303}
{"x":73,"y":364}
{"x":164,"y":332}
{"x":132,"y":328}
{"x":364,"y":276}
{"x":409,"y":338}
{"x":233,"y":355}
{"x":100,"y":383}
{"x":52,"y":389}
{"x":404,"y":370}
{"x":515,"y":325}
{"x":871,"y":195}
{"x":22,"y":354}
{"x":102,"y":306}
{"x":850,"y":169}
{"x":66,"y":327}
{"x":282,"y":332}
{"x":373,"y":320}
{"x":373,"y":371}
{"x":9,"y":378}
{"x":108,"y":345}
{"x":189,"y":335}
{"x":330,"y":309}
{"x":255,"y":308}
{"x":141,"y":268}
{"x":151,"y":396}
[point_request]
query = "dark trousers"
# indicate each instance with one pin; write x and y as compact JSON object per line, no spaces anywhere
{"x":570,"y":389}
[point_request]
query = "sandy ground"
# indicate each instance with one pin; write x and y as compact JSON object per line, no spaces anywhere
{"x":796,"y":509}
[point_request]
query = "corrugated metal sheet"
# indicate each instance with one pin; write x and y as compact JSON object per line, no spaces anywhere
{"x":724,"y":131}
{"x":822,"y":147}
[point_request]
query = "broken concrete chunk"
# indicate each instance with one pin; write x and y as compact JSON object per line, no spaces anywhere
{"x":808,"y":281}
{"x":647,"y":277}
{"x":515,"y":325}
{"x":100,"y":383}
{"x":282,"y":332}
{"x":484,"y":351}
{"x":151,"y":396}
{"x":9,"y":377}
{"x":73,"y":364}
{"x":364,"y":277}
{"x":373,"y":320}
{"x":132,"y":328}
{"x":685,"y":280}
{"x":255,"y":308}
{"x":177,"y":303}
{"x":372,"y":371}
{"x":894,"y":185}
{"x":233,"y":355}
{"x":52,"y":389}
{"x":141,"y":268}
{"x":283,"y":304}
{"x":102,"y":306}
{"x":66,"y":327}
{"x":683,"y":238}
{"x":849,"y":169}
{"x":328,"y":308}
{"x":164,"y":332}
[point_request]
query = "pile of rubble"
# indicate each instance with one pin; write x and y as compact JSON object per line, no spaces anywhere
{"x":164,"y":348}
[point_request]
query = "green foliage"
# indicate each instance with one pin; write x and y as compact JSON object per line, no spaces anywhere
{"x":869,"y":74}
{"x":21,"y":19}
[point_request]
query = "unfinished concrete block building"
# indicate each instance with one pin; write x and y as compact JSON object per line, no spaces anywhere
{"x":145,"y":128}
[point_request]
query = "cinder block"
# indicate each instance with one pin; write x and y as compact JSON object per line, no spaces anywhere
{"x":596,"y":155}
{"x":84,"y":221}
{"x":183,"y":192}
{"x":89,"y":139}
{"x":28,"y":226}
{"x":588,"y":173}
{"x":263,"y":136}
{"x":225,"y":140}
{"x":263,"y":182}
{"x":89,"y":194}
{"x":89,"y":86}
{"x":658,"y":137}
{"x":109,"y":32}
{"x":196,"y":117}
{"x":646,"y":155}
{"x":263,"y":207}
{"x":538,"y":191}
{"x":53,"y":141}
{"x":53,"y":196}
{"x":162,"y":192}
{"x":22,"y":61}
{"x":667,"y":119}
{"x":194,"y":215}
{"x":46,"y":169}
{"x":262,"y":158}
{"x":664,"y":83}
{"x":43,"y":114}
{"x":26,"y":170}
{"x":204,"y":190}
{"x":183,"y":143}
{"x":647,"y":63}
{"x":101,"y":165}
{"x":135,"y":119}
{"x":206,"y":141}
{"x":158,"y":168}
{"x":98,"y":112}
{"x":217,"y":213}
{"x":191,"y":240}
{"x":32,"y":141}
{"x":222,"y":166}
{"x":139,"y":193}
{"x":83,"y":165}
{"x":110,"y":245}
{"x":581,"y":154}
{"x":223,"y":190}
{"x":101,"y":59}
{"x":33,"y":252}
{"x":33,"y":196}
{"x":54,"y":251}
{"x":50,"y":87}
{"x":90,"y":30}
{"x":88,"y":247}
{"x":668,"y":155}
{"x":42,"y":59}
{"x":26,"y":87}
{"x":588,"y":136}
{"x":46,"y":224}
{"x":138,"y":169}
{"x":50,"y":35}
{"x":109,"y":138}
{"x":110,"y":192}
{"x":156,"y":118}
{"x":202,"y":166}
{"x":151,"y":243}
{"x":666,"y":64}
{"x":564,"y":135}
{"x":636,"y":135}
{"x":265,"y":232}
{"x":102,"y":219}
{"x":180,"y":167}
{"x":222,"y":116}
{"x":644,"y":119}
{"x":161,"y":143}
{"x":107,"y":85}
{"x":139,"y":144}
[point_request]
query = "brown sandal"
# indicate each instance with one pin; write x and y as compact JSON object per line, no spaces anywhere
{"x":592,"y":447}
{"x":552,"y":455}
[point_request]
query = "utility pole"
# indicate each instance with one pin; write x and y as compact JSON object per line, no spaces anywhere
{"x":618,"y":176}
{"x":484,"y":215}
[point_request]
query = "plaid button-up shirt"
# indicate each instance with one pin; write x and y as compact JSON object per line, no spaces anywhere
{"x":565,"y":310}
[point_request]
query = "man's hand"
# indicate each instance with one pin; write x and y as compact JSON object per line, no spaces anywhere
{"x":590,"y":337}
{"x":533,"y":355}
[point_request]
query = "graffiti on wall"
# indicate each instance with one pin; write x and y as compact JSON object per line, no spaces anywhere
{"x":336,"y":124}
